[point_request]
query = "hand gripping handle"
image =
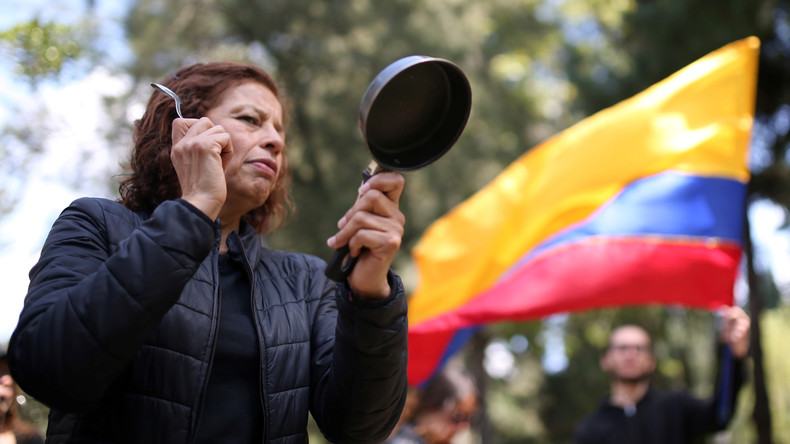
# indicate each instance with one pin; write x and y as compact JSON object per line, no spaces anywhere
{"x":337,"y":269}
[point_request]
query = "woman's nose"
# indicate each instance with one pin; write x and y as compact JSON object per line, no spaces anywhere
{"x":272,"y":139}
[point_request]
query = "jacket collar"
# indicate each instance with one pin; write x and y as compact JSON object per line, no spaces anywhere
{"x":250,"y":240}
{"x":649,"y":394}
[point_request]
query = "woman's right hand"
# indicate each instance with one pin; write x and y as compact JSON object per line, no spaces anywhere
{"x":201,"y":152}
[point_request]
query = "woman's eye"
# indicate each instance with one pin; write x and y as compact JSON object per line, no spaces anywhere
{"x":249,"y":119}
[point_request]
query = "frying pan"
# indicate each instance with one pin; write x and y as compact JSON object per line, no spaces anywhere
{"x":412,"y":113}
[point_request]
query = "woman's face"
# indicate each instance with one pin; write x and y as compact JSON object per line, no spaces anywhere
{"x":253,"y":117}
{"x":440,"y":426}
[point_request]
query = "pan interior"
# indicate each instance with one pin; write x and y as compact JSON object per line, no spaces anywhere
{"x":417,"y":115}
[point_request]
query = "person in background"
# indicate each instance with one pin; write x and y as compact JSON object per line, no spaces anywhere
{"x":444,"y":407}
{"x":635,"y":412}
{"x":162,"y":318}
{"x":13,"y":429}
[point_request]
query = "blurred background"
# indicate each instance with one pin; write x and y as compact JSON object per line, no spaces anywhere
{"x":75,"y":74}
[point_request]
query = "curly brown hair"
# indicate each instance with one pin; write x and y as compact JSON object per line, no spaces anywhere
{"x":152,"y":178}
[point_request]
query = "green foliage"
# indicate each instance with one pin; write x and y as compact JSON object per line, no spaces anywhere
{"x":167,"y":34}
{"x":40,"y":49}
{"x":776,"y":328}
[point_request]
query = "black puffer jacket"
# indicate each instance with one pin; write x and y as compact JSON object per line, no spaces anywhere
{"x":119,"y":324}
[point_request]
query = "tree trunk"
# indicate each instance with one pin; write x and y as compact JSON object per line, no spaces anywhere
{"x":761,"y":413}
{"x":477,"y":348}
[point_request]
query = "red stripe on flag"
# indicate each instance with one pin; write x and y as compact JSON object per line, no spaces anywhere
{"x":595,"y":274}
{"x":426,"y":351}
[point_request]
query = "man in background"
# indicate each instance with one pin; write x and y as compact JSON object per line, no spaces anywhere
{"x":635,"y":412}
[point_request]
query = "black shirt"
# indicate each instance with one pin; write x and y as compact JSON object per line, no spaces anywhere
{"x":232,"y":409}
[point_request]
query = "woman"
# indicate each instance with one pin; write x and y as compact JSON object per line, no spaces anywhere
{"x":444,"y":407}
{"x":13,"y":429}
{"x":161,"y":318}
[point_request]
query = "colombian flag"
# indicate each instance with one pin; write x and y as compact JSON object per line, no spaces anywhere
{"x":641,"y":203}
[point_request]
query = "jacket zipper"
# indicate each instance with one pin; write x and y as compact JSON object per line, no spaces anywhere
{"x":262,"y":380}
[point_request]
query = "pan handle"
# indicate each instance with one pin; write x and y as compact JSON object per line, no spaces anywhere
{"x":335,"y":268}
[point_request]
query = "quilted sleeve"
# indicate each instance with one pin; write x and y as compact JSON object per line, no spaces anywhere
{"x":360,"y":384}
{"x":93,"y":299}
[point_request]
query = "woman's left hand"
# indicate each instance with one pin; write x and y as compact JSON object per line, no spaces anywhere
{"x":373,"y":229}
